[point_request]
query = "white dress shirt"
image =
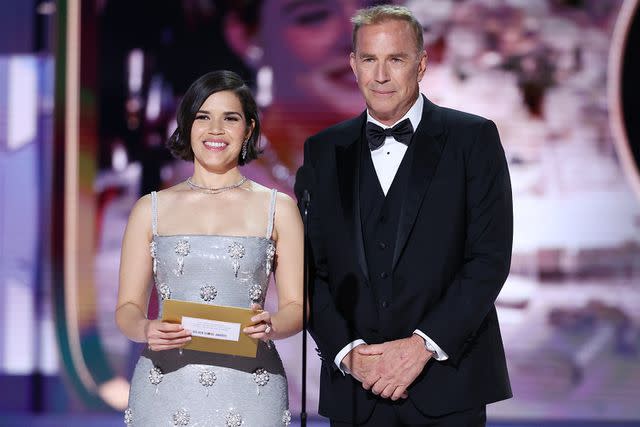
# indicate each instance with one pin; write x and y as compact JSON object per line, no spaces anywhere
{"x":386,"y":161}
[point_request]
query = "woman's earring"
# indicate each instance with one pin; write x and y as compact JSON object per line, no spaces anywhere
{"x":244,"y":149}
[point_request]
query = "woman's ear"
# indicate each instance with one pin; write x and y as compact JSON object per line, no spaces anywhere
{"x":252,"y":127}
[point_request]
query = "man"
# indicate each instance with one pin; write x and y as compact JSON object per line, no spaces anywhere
{"x":410,"y":233}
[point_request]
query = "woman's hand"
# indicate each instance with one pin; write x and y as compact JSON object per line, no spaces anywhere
{"x":261,"y":328}
{"x":166,"y":336}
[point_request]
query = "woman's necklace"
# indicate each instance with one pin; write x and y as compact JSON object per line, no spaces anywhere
{"x":208,"y":190}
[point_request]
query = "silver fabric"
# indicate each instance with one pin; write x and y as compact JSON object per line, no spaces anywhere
{"x":206,"y":389}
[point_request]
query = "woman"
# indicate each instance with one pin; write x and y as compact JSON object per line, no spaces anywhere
{"x":214,"y":238}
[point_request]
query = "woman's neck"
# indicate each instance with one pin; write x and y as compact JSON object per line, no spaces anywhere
{"x":205,"y":178}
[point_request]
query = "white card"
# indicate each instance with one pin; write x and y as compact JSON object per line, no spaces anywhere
{"x":206,"y":328}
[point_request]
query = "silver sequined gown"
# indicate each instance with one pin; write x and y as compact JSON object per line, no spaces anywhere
{"x":206,"y":389}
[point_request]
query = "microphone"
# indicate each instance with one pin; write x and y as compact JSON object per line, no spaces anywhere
{"x":306,"y":201}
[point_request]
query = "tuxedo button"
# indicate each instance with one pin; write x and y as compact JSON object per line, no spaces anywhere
{"x":384,"y":275}
{"x":382,"y":245}
{"x":385,"y":304}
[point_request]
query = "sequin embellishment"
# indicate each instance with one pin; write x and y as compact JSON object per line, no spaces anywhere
{"x":207,"y":378}
{"x":286,"y":417}
{"x":233,"y":419}
{"x":255,"y":293}
{"x":208,"y":292}
{"x":181,"y":418}
{"x":128,"y":416}
{"x":155,"y":375}
{"x":182,"y":250}
{"x":236,"y":251}
{"x":271,"y":252}
{"x":164,"y":291}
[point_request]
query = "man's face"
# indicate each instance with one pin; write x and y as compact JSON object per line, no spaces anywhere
{"x":388,"y":68}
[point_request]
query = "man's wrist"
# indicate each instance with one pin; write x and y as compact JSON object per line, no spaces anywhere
{"x":342,"y":355}
{"x":423,"y":345}
{"x":437,"y":352}
{"x":426,"y":344}
{"x":345,"y":363}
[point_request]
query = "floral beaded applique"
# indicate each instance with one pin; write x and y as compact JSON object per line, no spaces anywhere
{"x":261,"y":378}
{"x":181,"y":418}
{"x":128,"y":416}
{"x":164,"y":291}
{"x":233,"y":419}
{"x":208,"y":293}
{"x":255,"y":293}
{"x":236,"y":251}
{"x":286,"y":417}
{"x":155,"y":376}
{"x":271,"y":252}
{"x":182,"y":250}
{"x":153,"y":249}
{"x":207,"y":378}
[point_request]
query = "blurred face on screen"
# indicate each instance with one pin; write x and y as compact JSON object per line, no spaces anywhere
{"x":307,"y":43}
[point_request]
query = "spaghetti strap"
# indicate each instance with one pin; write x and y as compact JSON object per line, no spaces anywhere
{"x":154,"y":213}
{"x":272,"y":212}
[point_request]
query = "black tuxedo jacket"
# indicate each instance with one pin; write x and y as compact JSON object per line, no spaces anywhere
{"x":451,"y":258}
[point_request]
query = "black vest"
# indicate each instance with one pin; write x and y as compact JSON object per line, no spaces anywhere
{"x":379,"y":217}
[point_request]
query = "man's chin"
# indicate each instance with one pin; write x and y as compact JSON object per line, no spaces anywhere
{"x":381,"y":114}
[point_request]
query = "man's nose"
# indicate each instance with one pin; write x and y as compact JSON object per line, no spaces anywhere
{"x":381,"y":73}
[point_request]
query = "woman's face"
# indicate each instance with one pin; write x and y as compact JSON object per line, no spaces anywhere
{"x":218,"y":132}
{"x":307,"y":45}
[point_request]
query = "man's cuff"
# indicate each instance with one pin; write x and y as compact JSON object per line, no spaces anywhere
{"x":438,"y":353}
{"x":342,"y":353}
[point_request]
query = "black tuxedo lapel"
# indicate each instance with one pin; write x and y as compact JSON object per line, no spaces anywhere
{"x":429,"y":140}
{"x":348,"y":168}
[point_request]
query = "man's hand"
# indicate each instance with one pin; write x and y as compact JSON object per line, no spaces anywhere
{"x":361,"y":366}
{"x":399,"y":364}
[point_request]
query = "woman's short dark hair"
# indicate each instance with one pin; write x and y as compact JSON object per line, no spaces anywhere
{"x":216,"y":81}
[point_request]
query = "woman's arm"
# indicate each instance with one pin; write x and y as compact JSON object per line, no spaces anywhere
{"x":135,"y":286}
{"x":289,"y":237}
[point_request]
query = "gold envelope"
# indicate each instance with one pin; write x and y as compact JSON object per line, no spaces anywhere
{"x":174,"y":310}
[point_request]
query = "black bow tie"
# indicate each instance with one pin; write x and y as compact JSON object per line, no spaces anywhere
{"x":402,"y":132}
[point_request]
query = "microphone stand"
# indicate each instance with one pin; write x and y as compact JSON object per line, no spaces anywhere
{"x":306,"y":200}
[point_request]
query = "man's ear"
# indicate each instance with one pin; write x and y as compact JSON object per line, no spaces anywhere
{"x":241,"y":38}
{"x":422,"y":65}
{"x":352,"y":63}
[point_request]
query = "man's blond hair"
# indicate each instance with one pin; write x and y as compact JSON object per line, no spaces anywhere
{"x":378,"y":14}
